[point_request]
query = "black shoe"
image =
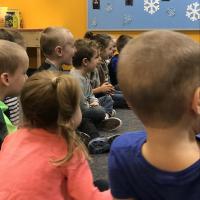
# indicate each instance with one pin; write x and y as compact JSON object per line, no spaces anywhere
{"x":110,"y":124}
{"x":112,"y":138}
{"x":98,"y":145}
{"x":101,"y":144}
{"x":85,"y":138}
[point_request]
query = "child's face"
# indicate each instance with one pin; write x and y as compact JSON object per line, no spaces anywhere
{"x":17,"y":80}
{"x":92,"y":63}
{"x":68,"y":50}
{"x":107,"y":52}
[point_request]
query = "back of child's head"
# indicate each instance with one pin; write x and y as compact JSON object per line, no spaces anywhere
{"x":11,"y":56}
{"x":12,"y":35}
{"x":51,"y":37}
{"x":122,"y":40}
{"x":84,"y":49}
{"x":158,"y":73}
{"x":49,"y":101}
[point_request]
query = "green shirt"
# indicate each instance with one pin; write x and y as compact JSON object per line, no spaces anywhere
{"x":6,"y":127}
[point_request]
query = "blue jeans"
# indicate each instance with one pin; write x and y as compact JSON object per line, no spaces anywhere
{"x":90,"y":119}
{"x":119,"y":101}
{"x":95,"y":114}
{"x":106,"y":102}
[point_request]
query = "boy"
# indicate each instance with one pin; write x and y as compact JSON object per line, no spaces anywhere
{"x":14,"y":64}
{"x":57,"y":45}
{"x":162,"y":84}
{"x":13,"y":103}
{"x":85,"y":60}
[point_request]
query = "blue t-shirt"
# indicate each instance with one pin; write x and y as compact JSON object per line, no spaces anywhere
{"x":131,"y":176}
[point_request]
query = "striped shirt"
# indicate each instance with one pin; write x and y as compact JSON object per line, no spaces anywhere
{"x":13,"y":109}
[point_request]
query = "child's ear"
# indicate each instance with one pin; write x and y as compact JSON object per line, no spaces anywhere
{"x":196,"y":101}
{"x":85,"y":61}
{"x":59,"y":51}
{"x":5,"y":79}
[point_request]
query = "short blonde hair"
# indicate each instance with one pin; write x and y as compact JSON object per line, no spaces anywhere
{"x":51,"y":37}
{"x":11,"y":55}
{"x":158,"y":73}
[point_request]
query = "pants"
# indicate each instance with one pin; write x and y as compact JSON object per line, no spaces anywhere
{"x":106,"y":102}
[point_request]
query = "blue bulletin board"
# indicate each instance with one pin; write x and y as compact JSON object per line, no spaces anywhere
{"x":143,"y":14}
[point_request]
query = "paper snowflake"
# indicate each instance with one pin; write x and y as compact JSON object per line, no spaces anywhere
{"x":151,"y":6}
{"x":193,"y":11}
{"x":127,"y":19}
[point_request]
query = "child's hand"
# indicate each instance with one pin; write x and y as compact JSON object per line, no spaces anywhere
{"x":94,"y":104}
{"x":106,"y":87}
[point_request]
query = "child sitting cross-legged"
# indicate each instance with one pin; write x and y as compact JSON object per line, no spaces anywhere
{"x":95,"y":116}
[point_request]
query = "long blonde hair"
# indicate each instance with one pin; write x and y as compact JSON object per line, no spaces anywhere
{"x":49,"y":100}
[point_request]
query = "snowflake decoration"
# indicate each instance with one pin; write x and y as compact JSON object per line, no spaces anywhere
{"x":109,"y":7}
{"x":151,"y":6}
{"x":127,"y":19}
{"x":171,"y":12}
{"x":193,"y":11}
{"x":94,"y":22}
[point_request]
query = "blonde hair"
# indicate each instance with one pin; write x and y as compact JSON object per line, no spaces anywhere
{"x":11,"y":55}
{"x":51,"y":37}
{"x":158,"y":73}
{"x":12,"y":35}
{"x":49,"y":101}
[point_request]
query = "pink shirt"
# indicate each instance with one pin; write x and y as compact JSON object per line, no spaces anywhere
{"x":26,"y":172}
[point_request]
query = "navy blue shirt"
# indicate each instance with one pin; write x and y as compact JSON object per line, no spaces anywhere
{"x":131,"y":176}
{"x":112,"y":67}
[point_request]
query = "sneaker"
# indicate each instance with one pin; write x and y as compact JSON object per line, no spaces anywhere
{"x":113,"y":113}
{"x":85,"y":138}
{"x":101,"y":144}
{"x":110,"y":124}
{"x":98,"y":145}
{"x":112,"y":138}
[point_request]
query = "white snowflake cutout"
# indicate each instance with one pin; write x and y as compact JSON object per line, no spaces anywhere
{"x":193,"y":11}
{"x":151,"y":6}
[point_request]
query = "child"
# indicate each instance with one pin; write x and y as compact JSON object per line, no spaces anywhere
{"x":162,"y":84}
{"x":57,"y":45}
{"x":45,"y":159}
{"x":122,"y":40}
{"x":100,"y":79}
{"x":14,"y":64}
{"x":13,"y":112}
{"x":85,"y":60}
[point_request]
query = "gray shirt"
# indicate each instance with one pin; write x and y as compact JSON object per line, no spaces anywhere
{"x":87,"y":96}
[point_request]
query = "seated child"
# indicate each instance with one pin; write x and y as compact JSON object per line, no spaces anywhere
{"x":14,"y":64}
{"x":45,"y":159}
{"x":13,"y":111}
{"x":85,"y":60}
{"x":100,"y":79}
{"x":122,"y":40}
{"x":163,"y":85}
{"x":57,"y":45}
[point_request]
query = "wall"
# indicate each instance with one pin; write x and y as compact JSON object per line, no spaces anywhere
{"x":68,"y":13}
{"x":43,"y":13}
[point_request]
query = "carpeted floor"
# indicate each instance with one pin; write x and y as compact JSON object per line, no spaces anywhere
{"x":130,"y":123}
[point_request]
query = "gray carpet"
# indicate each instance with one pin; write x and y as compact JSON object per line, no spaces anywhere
{"x":98,"y":163}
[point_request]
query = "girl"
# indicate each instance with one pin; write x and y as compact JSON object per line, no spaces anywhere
{"x":100,"y":79}
{"x":45,"y":159}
